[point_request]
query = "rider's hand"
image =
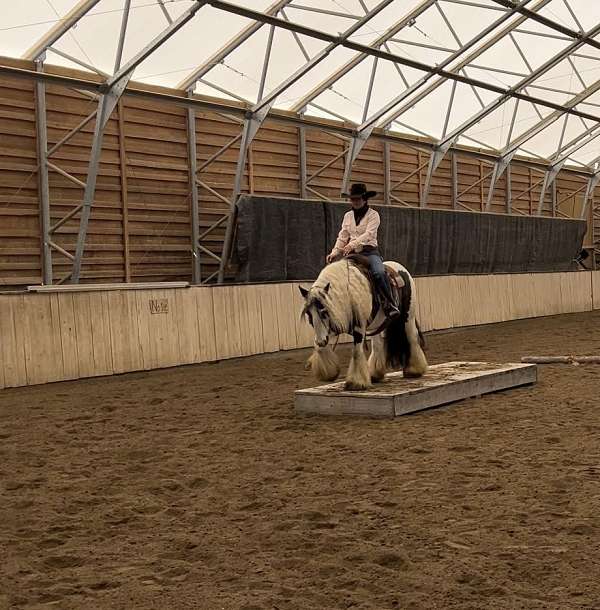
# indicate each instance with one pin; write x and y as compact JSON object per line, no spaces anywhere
{"x":329,"y":259}
{"x":347,"y":250}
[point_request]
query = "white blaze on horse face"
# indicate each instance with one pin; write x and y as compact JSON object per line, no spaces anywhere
{"x":321,"y":328}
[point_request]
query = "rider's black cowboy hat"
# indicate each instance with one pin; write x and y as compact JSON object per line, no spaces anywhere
{"x":359,"y":190}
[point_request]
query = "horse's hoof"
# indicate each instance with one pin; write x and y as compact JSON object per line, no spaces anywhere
{"x":349,"y":386}
{"x":410,"y":374}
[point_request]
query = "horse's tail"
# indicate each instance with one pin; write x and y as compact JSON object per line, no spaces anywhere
{"x":397,"y":346}
{"x":422,"y":341}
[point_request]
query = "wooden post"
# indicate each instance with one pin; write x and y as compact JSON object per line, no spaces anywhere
{"x":595,"y":228}
{"x":481,"y":200}
{"x":250,"y":169}
{"x":530,"y":194}
{"x":387,"y":173}
{"x":302,"y":161}
{"x":419,"y":163}
{"x":508,"y":189}
{"x":124,"y":198}
{"x":454,"y":179}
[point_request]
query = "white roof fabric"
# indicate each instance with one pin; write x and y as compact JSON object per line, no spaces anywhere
{"x":440,"y":31}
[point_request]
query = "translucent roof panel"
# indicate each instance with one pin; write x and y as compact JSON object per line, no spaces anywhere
{"x":25,"y":22}
{"x":487,"y":51}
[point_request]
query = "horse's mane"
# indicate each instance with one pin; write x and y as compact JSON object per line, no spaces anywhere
{"x":340,"y":288}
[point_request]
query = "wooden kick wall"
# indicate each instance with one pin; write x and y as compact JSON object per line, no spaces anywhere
{"x":70,"y":335}
{"x":141,"y":224}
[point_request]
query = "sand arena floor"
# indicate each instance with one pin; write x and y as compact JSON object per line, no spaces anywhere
{"x":198,"y":487}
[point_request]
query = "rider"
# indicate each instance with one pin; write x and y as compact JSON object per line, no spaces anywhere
{"x":359,"y":235}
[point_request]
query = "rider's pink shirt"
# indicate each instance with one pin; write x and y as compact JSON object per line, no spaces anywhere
{"x":357,"y":236}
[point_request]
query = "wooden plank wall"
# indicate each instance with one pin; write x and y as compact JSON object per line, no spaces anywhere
{"x":104,"y":250}
{"x":20,"y":254}
{"x":59,"y":336}
{"x":141,"y":223}
{"x":596,"y":289}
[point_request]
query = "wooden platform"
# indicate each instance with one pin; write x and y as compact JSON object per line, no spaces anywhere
{"x":443,"y":384}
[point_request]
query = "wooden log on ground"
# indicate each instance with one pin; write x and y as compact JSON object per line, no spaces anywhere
{"x":561,"y":359}
{"x":547,"y":359}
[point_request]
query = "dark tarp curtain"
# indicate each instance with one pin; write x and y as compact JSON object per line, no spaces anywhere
{"x":287,"y":239}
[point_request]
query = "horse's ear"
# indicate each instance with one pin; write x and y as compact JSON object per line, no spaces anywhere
{"x":327,"y":287}
{"x":303,"y":291}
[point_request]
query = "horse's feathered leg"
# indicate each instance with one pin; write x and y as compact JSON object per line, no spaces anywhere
{"x":377,"y":364}
{"x":358,"y":376}
{"x":417,"y":362}
{"x":324,"y":364}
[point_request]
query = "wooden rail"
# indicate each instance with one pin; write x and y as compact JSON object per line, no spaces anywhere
{"x":72,"y":334}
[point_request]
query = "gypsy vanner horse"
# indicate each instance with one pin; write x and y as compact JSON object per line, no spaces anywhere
{"x":343,"y":300}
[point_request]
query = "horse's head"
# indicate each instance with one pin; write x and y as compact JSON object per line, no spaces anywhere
{"x":316,"y":312}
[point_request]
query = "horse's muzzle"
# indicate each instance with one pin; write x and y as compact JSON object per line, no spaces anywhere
{"x":323,"y":343}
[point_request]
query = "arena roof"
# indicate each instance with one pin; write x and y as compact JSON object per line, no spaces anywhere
{"x":505,"y":76}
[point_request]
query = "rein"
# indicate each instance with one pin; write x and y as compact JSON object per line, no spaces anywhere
{"x":337,"y":340}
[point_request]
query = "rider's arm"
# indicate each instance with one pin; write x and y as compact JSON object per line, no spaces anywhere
{"x":342,"y":239}
{"x":370,"y":234}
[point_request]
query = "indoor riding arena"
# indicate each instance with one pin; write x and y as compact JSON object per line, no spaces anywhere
{"x":193,"y":194}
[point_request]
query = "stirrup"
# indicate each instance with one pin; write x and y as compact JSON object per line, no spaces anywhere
{"x":392,"y":312}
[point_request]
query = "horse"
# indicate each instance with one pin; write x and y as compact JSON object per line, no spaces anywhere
{"x":342,"y":301}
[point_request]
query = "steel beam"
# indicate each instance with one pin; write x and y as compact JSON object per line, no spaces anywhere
{"x":235,"y":110}
{"x":593,"y":181}
{"x":395,"y":58}
{"x":350,"y":157}
{"x":447,"y":141}
{"x":375,"y":118}
{"x":581,"y":141}
{"x":265,"y":70}
{"x":71,"y":133}
{"x":322,"y":11}
{"x":263,"y":106}
{"x":43,"y":183}
{"x":165,"y":11}
{"x":251,"y":126}
{"x":158,"y":40}
{"x":543,"y":69}
{"x":435,"y":158}
{"x":60,"y":28}
{"x":122,"y":33}
{"x":357,"y":59}
{"x":548,"y":181}
{"x":226,"y":50}
{"x":105,"y":108}
{"x":549,"y":23}
{"x":77,"y":61}
{"x":366,"y":128}
{"x":113,"y":90}
{"x":551,"y":118}
{"x":474,"y":4}
{"x":195,"y":213}
{"x":334,"y":42}
{"x":512,"y":147}
{"x":297,"y":39}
